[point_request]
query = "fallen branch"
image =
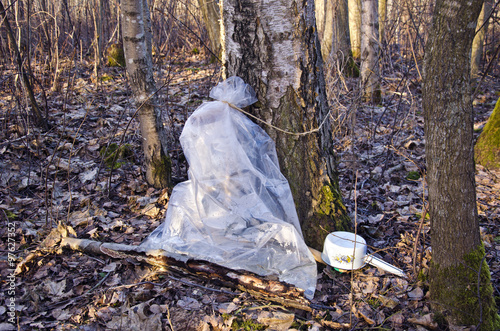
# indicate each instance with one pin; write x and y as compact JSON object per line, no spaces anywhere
{"x":258,"y":286}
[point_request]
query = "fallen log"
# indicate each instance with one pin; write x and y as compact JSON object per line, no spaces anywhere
{"x":258,"y":286}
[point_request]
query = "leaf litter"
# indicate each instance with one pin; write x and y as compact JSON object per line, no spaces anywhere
{"x":61,"y":177}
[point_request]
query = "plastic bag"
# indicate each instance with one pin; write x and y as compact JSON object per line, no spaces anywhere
{"x":236,"y":209}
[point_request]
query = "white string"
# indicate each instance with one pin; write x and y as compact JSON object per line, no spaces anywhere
{"x":275,"y":127}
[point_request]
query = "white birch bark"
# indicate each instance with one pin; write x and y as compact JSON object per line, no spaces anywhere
{"x":382,"y":16}
{"x":211,"y":16}
{"x":138,"y":57}
{"x":370,"y":63}
{"x":354,"y":7}
{"x":333,"y":29}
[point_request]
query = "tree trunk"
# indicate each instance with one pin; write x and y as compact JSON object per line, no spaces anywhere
{"x":382,"y":17}
{"x":211,"y":16}
{"x":98,"y":41}
{"x":139,"y":63}
{"x":354,"y":7}
{"x":487,"y":149}
{"x":332,"y":22}
{"x":457,"y":252}
{"x":274,"y":48}
{"x":370,"y":54}
{"x":477,"y":44}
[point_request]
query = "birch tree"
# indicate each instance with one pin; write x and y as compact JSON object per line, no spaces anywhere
{"x":211,"y":16}
{"x":354,"y":7}
{"x":460,"y":283}
{"x":370,"y":52}
{"x":274,"y":47}
{"x":332,"y":21}
{"x":136,"y":27}
{"x":382,"y":17}
{"x":477,"y":44}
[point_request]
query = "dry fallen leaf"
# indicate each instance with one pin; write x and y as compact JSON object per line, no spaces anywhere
{"x":227,"y":307}
{"x":110,"y":267}
{"x":426,"y":320}
{"x":189,"y":303}
{"x":54,"y":289}
{"x":389,"y":302}
{"x":416,"y":294}
{"x":276,"y":320}
{"x":364,"y":311}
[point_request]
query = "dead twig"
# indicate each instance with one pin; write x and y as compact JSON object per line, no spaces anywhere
{"x":258,"y":286}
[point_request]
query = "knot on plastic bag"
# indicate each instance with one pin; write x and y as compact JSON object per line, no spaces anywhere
{"x":234,"y":91}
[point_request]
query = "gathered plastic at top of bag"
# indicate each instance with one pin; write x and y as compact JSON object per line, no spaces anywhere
{"x":236,"y":209}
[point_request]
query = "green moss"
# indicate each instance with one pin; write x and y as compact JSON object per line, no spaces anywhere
{"x":413,"y":175}
{"x":116,"y":56}
{"x":487,"y":149}
{"x":422,"y":276}
{"x":246,"y":324}
{"x":455,"y":291}
{"x":115,"y":156}
{"x":162,"y":171}
{"x":351,"y":68}
{"x":329,"y":215}
{"x":427,"y":216}
{"x":327,"y":200}
{"x":10,"y":215}
{"x":374,"y":302}
{"x":106,"y":78}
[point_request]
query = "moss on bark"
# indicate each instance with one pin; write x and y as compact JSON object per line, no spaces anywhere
{"x":487,"y":149}
{"x":116,"y":56}
{"x":457,"y":290}
{"x":329,"y":215}
{"x":161,"y":170}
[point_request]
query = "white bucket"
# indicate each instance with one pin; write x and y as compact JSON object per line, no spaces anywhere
{"x":348,"y":251}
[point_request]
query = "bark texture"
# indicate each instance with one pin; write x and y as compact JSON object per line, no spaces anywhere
{"x":136,"y":26}
{"x":458,"y":256}
{"x":354,"y":7}
{"x":477,"y":44}
{"x":274,"y":47}
{"x":382,"y":17}
{"x":211,"y":15}
{"x":370,"y":52}
{"x":332,"y":22}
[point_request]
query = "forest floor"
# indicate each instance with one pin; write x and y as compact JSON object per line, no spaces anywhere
{"x":65,"y":176}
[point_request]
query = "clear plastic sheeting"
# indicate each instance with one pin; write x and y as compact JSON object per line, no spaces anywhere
{"x":236,"y":209}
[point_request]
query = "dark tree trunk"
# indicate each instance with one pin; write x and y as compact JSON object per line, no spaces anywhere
{"x":274,"y":47}
{"x":457,"y":252}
